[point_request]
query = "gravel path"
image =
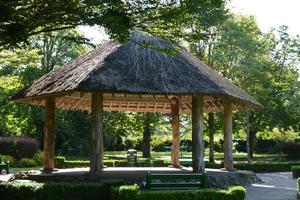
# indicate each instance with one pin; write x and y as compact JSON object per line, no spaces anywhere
{"x":274,"y":186}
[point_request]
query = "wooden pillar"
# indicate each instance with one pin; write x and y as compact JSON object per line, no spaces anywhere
{"x":228,"y":159}
{"x":175,"y":133}
{"x":197,"y":134}
{"x":211,"y":122}
{"x":49,"y":135}
{"x":97,"y":133}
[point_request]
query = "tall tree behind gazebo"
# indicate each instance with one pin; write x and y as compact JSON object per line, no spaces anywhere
{"x":145,"y":74}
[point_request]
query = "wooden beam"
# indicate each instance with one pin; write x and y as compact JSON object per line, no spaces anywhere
{"x":97,"y":133}
{"x":228,"y":159}
{"x":49,"y":137}
{"x":197,"y":134}
{"x":175,"y":133}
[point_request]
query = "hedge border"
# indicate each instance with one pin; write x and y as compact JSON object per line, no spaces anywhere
{"x":93,"y":191}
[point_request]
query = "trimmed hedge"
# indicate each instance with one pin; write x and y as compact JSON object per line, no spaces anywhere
{"x":133,"y":193}
{"x":99,"y":191}
{"x":61,"y":162}
{"x":296,"y":171}
{"x":54,"y":191}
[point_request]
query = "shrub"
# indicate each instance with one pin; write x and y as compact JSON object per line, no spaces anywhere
{"x":126,"y":192}
{"x":18,"y":147}
{"x":10,"y":159}
{"x":59,"y":162}
{"x":133,"y":193}
{"x":54,"y":191}
{"x":234,"y":193}
{"x":292,"y":149}
{"x":296,"y":171}
{"x":26,"y":162}
{"x":266,"y":167}
{"x":38,"y":157}
{"x":108,"y":191}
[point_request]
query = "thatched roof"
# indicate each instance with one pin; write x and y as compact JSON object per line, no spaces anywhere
{"x":146,"y":69}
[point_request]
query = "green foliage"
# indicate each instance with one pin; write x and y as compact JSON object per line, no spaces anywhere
{"x":93,"y":191}
{"x":126,"y":192}
{"x":38,"y":158}
{"x":26,"y":162}
{"x":234,"y":193}
{"x":7,"y":158}
{"x":54,"y":191}
{"x":266,"y":166}
{"x":61,"y":162}
{"x":296,"y":171}
{"x":279,"y":135}
{"x":118,"y":18}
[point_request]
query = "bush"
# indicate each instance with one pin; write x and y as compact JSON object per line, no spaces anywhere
{"x":39,"y":157}
{"x":133,"y":193}
{"x":10,"y":159}
{"x":266,"y":167}
{"x":108,"y":191}
{"x":18,"y":147}
{"x":26,"y":162}
{"x":54,"y":191}
{"x":61,"y":162}
{"x":292,"y":149}
{"x":296,"y":171}
{"x":126,"y":192}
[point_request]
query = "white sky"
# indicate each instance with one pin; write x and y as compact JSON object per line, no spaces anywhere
{"x":271,"y":13}
{"x":268,"y":13}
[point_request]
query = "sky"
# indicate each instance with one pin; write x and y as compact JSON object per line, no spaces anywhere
{"x":268,"y":13}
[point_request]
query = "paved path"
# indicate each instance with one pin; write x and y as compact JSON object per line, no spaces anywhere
{"x":274,"y":186}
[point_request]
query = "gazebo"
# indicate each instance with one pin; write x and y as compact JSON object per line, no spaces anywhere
{"x":145,"y":74}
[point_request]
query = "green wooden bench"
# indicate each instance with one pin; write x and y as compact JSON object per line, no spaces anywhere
{"x":176,"y":181}
{"x":4,"y":165}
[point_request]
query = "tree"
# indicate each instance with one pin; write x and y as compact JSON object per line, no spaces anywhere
{"x":261,"y":64}
{"x":20,"y":20}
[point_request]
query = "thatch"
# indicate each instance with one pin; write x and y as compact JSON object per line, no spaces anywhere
{"x":146,"y":69}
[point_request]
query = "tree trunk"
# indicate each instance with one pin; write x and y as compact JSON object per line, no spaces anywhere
{"x":49,"y":135}
{"x":175,"y":133}
{"x":97,"y":133}
{"x":197,"y":134}
{"x":211,"y":120}
{"x":147,"y":136}
{"x":247,"y":127}
{"x":228,"y":158}
{"x":251,"y":142}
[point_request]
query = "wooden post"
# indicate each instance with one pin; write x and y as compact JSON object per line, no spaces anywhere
{"x":197,"y":134}
{"x":228,"y":159}
{"x":211,"y":123}
{"x":175,"y":133}
{"x":97,"y":134}
{"x":49,"y":135}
